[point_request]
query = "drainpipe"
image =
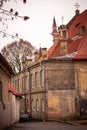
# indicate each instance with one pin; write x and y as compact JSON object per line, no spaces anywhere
{"x":44,"y":88}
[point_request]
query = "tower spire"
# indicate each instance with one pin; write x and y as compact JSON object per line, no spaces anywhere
{"x":54,"y":31}
{"x":54,"y":26}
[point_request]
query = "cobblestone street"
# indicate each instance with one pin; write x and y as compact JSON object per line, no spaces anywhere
{"x":46,"y":126}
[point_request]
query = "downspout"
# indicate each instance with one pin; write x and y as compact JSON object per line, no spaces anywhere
{"x":44,"y":89}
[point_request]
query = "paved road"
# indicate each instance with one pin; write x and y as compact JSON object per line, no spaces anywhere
{"x":46,"y":126}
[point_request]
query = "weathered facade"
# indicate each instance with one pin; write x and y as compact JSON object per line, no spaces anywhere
{"x":9,"y":103}
{"x":51,"y":88}
{"x":57,"y":86}
{"x":20,"y":82}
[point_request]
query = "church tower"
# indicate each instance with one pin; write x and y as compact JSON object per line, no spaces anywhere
{"x":54,"y":31}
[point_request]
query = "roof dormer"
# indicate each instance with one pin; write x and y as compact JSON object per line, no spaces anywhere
{"x":63,"y":32}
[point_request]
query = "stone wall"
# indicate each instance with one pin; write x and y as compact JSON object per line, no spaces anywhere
{"x":57,"y":91}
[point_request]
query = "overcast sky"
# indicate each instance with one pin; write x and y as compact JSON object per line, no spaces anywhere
{"x":38,"y":28}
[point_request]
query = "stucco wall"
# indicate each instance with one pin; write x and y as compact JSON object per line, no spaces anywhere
{"x":61,"y":104}
{"x":5,"y":115}
{"x":10,"y":114}
{"x":81,"y":69}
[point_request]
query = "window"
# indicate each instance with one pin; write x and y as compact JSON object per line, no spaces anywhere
{"x":26,"y":81}
{"x":42,"y":104}
{"x":0,"y":91}
{"x":41,"y":80}
{"x":37,"y":105}
{"x":36,"y":80}
{"x":32,"y":103}
{"x":18,"y":85}
{"x":64,"y":34}
{"x":22,"y":84}
{"x":31,"y":80}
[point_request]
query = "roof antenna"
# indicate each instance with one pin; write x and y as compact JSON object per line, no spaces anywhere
{"x":62,"y":20}
{"x":40,"y":44}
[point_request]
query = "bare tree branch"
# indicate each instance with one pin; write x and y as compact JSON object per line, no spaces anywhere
{"x":16,"y":52}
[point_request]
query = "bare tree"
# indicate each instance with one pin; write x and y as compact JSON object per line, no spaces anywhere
{"x":17,"y":52}
{"x":6,"y":15}
{"x":3,"y":1}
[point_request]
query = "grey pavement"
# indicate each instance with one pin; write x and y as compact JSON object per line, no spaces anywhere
{"x":46,"y":126}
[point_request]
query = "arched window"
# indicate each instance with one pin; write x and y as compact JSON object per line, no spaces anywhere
{"x":0,"y":91}
{"x":64,"y":34}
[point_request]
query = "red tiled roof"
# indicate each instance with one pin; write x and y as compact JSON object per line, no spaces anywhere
{"x":54,"y":51}
{"x":78,"y":45}
{"x":72,"y":46}
{"x":82,"y":49}
{"x":13,"y":90}
{"x":80,"y":20}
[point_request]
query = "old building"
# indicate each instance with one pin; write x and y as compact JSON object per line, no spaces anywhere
{"x":54,"y":86}
{"x":57,"y":82}
{"x":9,"y":97}
{"x":20,"y":82}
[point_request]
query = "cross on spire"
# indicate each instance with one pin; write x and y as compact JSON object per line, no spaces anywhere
{"x":77,"y":6}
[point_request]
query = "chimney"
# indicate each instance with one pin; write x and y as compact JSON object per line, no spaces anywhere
{"x":35,"y":56}
{"x":27,"y":63}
